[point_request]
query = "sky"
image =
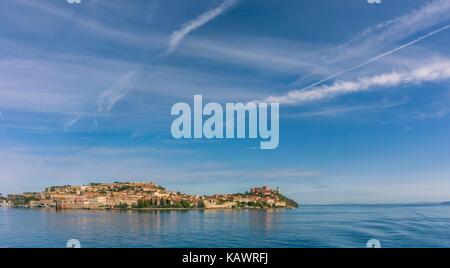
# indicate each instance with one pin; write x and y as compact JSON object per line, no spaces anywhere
{"x":86,"y":90}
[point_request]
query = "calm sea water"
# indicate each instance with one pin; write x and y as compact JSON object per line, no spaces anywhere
{"x":307,"y":226}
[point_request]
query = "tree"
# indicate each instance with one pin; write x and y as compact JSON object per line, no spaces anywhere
{"x":201,"y":204}
{"x":185,"y":204}
{"x":122,"y":206}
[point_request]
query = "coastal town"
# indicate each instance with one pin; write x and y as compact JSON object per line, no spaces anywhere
{"x":143,"y":195}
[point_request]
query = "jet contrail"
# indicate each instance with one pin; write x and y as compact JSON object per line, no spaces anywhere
{"x":204,"y":18}
{"x":72,"y":122}
{"x":382,"y":55}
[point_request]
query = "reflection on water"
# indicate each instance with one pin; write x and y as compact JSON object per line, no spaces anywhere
{"x":308,"y":226}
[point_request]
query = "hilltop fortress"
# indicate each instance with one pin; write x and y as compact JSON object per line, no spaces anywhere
{"x":144,"y":195}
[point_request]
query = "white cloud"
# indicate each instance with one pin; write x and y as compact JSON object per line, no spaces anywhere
{"x":380,"y":56}
{"x":109,"y":97}
{"x":437,"y":112}
{"x":429,"y":15}
{"x":272,"y":54}
{"x":437,"y":109}
{"x":194,"y":24}
{"x":435,"y":71}
{"x":338,"y":110}
{"x":117,"y":91}
{"x":53,"y":85}
{"x":376,"y":38}
{"x":74,"y":1}
{"x":100,"y":29}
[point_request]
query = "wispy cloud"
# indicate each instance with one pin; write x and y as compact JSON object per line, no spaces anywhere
{"x":339,"y":110}
{"x":429,"y":15}
{"x":89,"y":25}
{"x":152,"y":10}
{"x":109,"y":97}
{"x":276,"y":55}
{"x":435,"y":71}
{"x":437,"y":109}
{"x":196,"y":23}
{"x":375,"y":39}
{"x":117,"y":91}
{"x":378,"y":57}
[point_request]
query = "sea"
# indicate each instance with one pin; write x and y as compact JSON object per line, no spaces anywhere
{"x":343,"y":226}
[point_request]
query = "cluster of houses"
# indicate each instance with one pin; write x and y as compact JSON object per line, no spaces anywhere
{"x":127,"y":195}
{"x":3,"y":200}
{"x":262,"y":197}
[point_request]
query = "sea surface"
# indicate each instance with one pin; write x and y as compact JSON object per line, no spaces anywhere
{"x":307,"y":226}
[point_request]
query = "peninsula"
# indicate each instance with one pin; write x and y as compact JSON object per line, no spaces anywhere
{"x":144,"y":195}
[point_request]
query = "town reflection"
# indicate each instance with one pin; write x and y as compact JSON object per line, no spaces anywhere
{"x":154,"y":228}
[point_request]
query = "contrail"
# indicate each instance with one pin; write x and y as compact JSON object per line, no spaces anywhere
{"x":72,"y":122}
{"x":204,"y":18}
{"x":382,"y":55}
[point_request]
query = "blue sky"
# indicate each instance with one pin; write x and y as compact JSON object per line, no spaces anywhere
{"x":86,"y":91}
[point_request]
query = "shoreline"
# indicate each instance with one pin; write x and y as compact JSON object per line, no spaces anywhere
{"x":144,"y":209}
{"x":145,"y":195}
